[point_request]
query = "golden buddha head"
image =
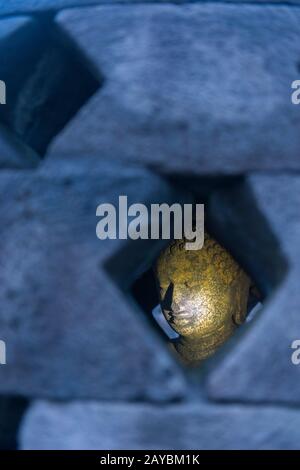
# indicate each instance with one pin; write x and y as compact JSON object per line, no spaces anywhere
{"x":203,"y":294}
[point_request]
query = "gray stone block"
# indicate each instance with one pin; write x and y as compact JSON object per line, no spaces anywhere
{"x":169,"y":98}
{"x":259,"y":367}
{"x":70,"y":325}
{"x":19,"y":6}
{"x":10,"y":26}
{"x":14,"y":153}
{"x":95,"y":426}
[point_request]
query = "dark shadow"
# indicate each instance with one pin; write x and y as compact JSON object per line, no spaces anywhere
{"x":12,"y":409}
{"x":48,"y":80}
{"x":233,"y":218}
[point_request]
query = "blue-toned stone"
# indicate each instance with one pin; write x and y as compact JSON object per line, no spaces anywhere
{"x":95,"y":426}
{"x":201,"y":88}
{"x":259,"y":368}
{"x":69,"y":322}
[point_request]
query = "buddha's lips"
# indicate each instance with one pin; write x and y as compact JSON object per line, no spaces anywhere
{"x":173,"y":315}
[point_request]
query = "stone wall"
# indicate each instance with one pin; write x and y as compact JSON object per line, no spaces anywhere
{"x":163,"y":102}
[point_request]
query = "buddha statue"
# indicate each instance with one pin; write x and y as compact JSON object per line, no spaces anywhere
{"x":203,"y":295}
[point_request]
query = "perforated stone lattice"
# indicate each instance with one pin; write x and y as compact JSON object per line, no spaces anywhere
{"x":164,"y":103}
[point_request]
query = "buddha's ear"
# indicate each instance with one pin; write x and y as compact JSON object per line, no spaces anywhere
{"x":244,"y":301}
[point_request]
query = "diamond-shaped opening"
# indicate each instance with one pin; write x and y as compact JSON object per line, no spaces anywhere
{"x":54,"y":80}
{"x":230,"y":212}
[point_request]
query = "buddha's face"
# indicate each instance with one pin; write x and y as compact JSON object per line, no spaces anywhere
{"x":203,"y":295}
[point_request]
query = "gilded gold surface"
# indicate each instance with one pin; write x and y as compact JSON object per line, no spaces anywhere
{"x":203,"y":295}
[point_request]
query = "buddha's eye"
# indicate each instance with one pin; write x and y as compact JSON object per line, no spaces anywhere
{"x":204,"y":296}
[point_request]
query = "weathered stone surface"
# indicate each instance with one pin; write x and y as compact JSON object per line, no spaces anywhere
{"x":172,"y":102}
{"x":70,"y":331}
{"x":20,"y":6}
{"x":15,"y":154}
{"x":123,"y":426}
{"x":10,"y":26}
{"x":259,"y":367}
{"x":199,"y":89}
{"x":17,"y":6}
